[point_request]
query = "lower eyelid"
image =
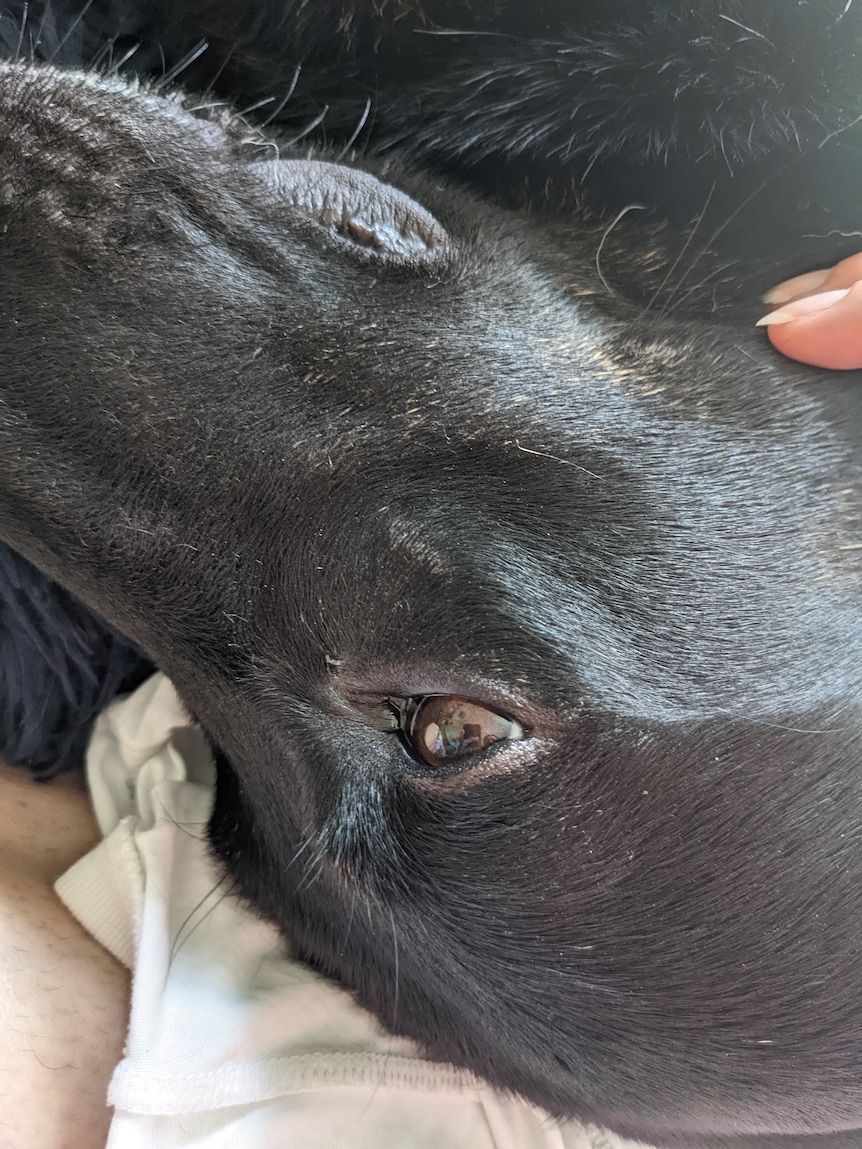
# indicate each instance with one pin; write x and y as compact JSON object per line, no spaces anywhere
{"x":503,"y":760}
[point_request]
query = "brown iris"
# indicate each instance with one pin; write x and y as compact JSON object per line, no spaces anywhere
{"x":443,"y":728}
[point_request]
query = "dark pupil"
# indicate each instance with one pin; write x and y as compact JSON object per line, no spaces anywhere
{"x":444,"y":728}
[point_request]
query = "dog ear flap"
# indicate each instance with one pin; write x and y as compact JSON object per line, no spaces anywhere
{"x":361,"y":209}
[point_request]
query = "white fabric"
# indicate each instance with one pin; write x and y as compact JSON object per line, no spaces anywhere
{"x":232,"y":1044}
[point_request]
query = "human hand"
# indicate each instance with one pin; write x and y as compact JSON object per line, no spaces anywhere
{"x":819,"y":316}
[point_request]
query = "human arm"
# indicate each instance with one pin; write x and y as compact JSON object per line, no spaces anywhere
{"x":63,"y":998}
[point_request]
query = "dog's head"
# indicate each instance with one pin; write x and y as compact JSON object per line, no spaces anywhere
{"x":526,"y":626}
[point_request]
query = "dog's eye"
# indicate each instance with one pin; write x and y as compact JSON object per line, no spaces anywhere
{"x":440,"y":729}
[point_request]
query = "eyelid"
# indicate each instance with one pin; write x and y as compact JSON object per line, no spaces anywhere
{"x":387,"y":718}
{"x":399,"y":705}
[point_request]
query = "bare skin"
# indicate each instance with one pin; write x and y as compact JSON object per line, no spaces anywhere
{"x":63,"y":998}
{"x":818,"y":316}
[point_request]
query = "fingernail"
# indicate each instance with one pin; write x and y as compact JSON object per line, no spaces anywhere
{"x":798,"y":286}
{"x":799,"y":307}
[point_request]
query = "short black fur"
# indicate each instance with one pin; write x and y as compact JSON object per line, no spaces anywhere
{"x":307,"y":466}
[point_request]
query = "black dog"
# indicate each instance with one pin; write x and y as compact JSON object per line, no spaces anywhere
{"x":525,"y":621}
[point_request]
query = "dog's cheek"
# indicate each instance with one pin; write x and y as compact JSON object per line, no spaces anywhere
{"x":610,"y":933}
{"x":319,"y":799}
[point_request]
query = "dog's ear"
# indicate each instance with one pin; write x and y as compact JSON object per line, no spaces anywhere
{"x":359,"y":209}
